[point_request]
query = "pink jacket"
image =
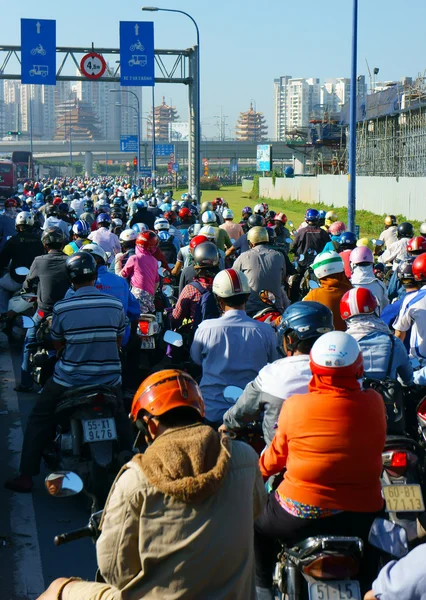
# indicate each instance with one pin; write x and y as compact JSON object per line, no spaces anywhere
{"x":142,"y":268}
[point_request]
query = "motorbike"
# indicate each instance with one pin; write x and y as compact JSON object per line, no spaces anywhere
{"x":252,"y":433}
{"x":270,"y":314}
{"x":20,"y":304}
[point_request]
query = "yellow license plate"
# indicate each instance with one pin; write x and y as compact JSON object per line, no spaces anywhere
{"x":403,"y":498}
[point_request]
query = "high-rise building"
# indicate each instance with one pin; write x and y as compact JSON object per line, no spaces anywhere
{"x":281,"y":106}
{"x":336,"y":92}
{"x":29,"y":109}
{"x":251,"y":126}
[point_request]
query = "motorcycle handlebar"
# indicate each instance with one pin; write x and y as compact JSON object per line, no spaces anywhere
{"x":64,"y":538}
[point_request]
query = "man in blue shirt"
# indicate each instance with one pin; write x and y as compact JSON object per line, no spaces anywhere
{"x":233,"y":348}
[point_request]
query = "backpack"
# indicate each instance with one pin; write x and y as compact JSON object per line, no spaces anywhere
{"x":168,"y":248}
{"x":206,"y":307}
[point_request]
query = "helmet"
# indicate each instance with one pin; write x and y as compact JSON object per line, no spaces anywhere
{"x":57,"y":201}
{"x":81,"y":228}
{"x":304,"y":320}
{"x":193,"y":230}
{"x":379,"y":270}
{"x":153,"y":201}
{"x":390,"y":220}
{"x":347,"y":240}
{"x":331,"y":216}
{"x":419,"y":268}
{"x":197,"y":240}
{"x":29,"y":200}
{"x":141,"y":203}
{"x":39,"y":197}
{"x":271,"y":234}
{"x":117,"y":222}
{"x":51,"y":211}
{"x":404,"y":271}
{"x":63,"y":208}
{"x":185,"y":213}
{"x":164,"y":391}
{"x":228,"y":214}
{"x":280,"y":217}
{"x":257,"y":235}
{"x":337,"y":228}
{"x":139,"y":227}
{"x":208,"y":217}
{"x":337,"y":354}
{"x":210,"y":232}
{"x":147,"y":239}
{"x":312,"y":216}
{"x":361,"y":254}
{"x":365,"y":243}
{"x":171,"y":216}
{"x":96,"y":250}
{"x":327,"y":263}
{"x":255,"y":221}
{"x":128,"y":235}
{"x":270,"y":216}
{"x":358,"y":301}
{"x":417,"y":245}
{"x":103,"y":218}
{"x":405,"y":230}
{"x":117,"y":201}
{"x":259,"y":209}
{"x":206,"y":255}
{"x":322,"y":214}
{"x":246,"y":211}
{"x":230,"y":282}
{"x":24,"y":219}
{"x":10,"y":203}
{"x":53,"y":236}
{"x":81,"y":267}
{"x":205,"y":206}
{"x":219,"y":201}
{"x":88,"y":205}
{"x":423,"y":229}
{"x":161,"y":224}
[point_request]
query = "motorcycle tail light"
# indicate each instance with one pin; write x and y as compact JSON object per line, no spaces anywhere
{"x":167,"y":280}
{"x":98,"y":402}
{"x":421,"y":410}
{"x":144,"y":327}
{"x":396,"y":462}
{"x":332,"y":566}
{"x":399,"y":459}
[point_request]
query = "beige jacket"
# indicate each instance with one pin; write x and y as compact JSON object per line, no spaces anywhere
{"x":179,"y":522}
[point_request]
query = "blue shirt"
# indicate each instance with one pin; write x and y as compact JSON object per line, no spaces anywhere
{"x":90,"y":323}
{"x":390,"y":313}
{"x":231,"y":350}
{"x":404,"y":579}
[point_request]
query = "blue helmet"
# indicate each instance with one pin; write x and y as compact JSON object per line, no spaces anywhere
{"x":103,"y":218}
{"x":141,"y":203}
{"x":301,"y":321}
{"x":312,"y":216}
{"x":81,"y":228}
{"x":39,"y":197}
{"x":322,"y":214}
{"x":140,"y":227}
{"x":347,"y":240}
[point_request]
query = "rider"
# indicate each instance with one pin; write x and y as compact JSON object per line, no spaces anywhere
{"x":128,"y":248}
{"x":335,"y":231}
{"x":347,"y":243}
{"x":332,"y":481}
{"x":189,"y":272}
{"x":53,"y":220}
{"x":142,"y":215}
{"x":282,"y":234}
{"x":104,"y":236}
{"x":89,"y":212}
{"x":80,"y":231}
{"x":384,"y":355}
{"x":398,"y":250}
{"x":301,"y":325}
{"x":233,"y":348}
{"x":234,"y":230}
{"x":362,"y":261}
{"x":310,"y":240}
{"x":328,"y":268}
{"x":241,"y":245}
{"x":390,"y":233}
{"x":7,"y":221}
{"x":222,"y":238}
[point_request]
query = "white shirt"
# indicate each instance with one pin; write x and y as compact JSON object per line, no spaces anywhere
{"x":55,"y":222}
{"x":389,"y":236}
{"x":413,"y":314}
{"x":396,"y":253}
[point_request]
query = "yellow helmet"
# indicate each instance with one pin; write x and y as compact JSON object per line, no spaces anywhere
{"x":365,"y":242}
{"x":257,"y":235}
{"x":330,"y":217}
{"x":390,"y":220}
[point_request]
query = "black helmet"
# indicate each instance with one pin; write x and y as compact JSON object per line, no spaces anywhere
{"x":52,"y":211}
{"x":206,"y":256}
{"x":53,"y":237}
{"x":63,"y":208}
{"x":304,"y":320}
{"x":81,"y":267}
{"x":271,"y":234}
{"x":404,"y":272}
{"x":405,"y":230}
{"x":255,"y":221}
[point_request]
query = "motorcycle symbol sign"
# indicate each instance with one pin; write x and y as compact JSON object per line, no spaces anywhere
{"x":138,"y":59}
{"x":38,"y":50}
{"x":137,"y":46}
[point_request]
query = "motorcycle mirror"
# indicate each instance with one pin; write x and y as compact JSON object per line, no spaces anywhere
{"x":231,"y":393}
{"x":159,"y":263}
{"x":161,"y":272}
{"x":27,"y":322}
{"x":313,"y":285}
{"x":389,"y":537}
{"x":288,"y":241}
{"x":267,"y":297}
{"x":301,"y":257}
{"x":173,"y":338}
{"x":290,"y":223}
{"x":22,"y":271}
{"x":61,"y":484}
{"x":167,"y":291}
{"x":378,"y":243}
{"x":171,"y":265}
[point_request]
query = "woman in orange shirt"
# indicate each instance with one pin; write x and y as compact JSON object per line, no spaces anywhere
{"x":330,"y":442}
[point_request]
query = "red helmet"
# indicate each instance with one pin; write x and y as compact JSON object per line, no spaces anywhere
{"x":11,"y":203}
{"x":185,"y":213}
{"x":417,"y":245}
{"x":281,"y":217}
{"x":419,"y":268}
{"x":358,"y":301}
{"x":197,"y":240}
{"x":57,"y":201}
{"x":171,"y":216}
{"x":147,"y":239}
{"x":218,"y":201}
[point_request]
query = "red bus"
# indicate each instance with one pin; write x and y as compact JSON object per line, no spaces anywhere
{"x":8,"y":179}
{"x":23,"y":160}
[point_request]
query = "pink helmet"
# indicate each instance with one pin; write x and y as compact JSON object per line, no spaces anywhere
{"x":361,"y":254}
{"x":337,"y":228}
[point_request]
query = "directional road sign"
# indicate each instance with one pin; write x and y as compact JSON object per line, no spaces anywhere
{"x":164,"y":149}
{"x":175,"y":167}
{"x":137,"y":53}
{"x":38,"y":51}
{"x":145,"y":172}
{"x":129,"y":143}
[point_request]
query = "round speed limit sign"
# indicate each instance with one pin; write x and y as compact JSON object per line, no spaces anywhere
{"x":93,"y":65}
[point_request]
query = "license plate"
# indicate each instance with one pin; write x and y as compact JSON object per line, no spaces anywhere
{"x":159,"y":317}
{"x":99,"y":430}
{"x":403,"y":498}
{"x":148,"y":343}
{"x":334,"y":590}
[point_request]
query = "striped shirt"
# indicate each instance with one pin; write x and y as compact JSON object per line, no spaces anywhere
{"x":90,"y":323}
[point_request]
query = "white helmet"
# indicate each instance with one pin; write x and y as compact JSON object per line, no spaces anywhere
{"x":327,"y":263}
{"x":117,"y":222}
{"x":29,"y":200}
{"x":161,"y":224}
{"x":337,"y":353}
{"x":128,"y":235}
{"x":208,"y":217}
{"x":230,"y":282}
{"x":24,"y":218}
{"x":96,"y":250}
{"x":423,"y":229}
{"x":209,"y":232}
{"x":228,"y":214}
{"x":259,"y":209}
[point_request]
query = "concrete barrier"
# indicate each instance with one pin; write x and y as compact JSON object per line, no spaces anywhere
{"x":379,"y":195}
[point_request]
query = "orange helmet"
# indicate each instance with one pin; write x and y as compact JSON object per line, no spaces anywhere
{"x":166,"y":390}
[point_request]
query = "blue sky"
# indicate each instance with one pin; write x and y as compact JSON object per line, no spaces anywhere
{"x":245,"y":44}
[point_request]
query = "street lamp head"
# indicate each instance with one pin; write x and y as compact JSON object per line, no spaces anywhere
{"x":150,"y":8}
{"x":114,"y":91}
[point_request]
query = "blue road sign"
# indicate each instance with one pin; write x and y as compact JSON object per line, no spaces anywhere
{"x":164,"y":149}
{"x":38,"y":51}
{"x":175,"y":167}
{"x":137,"y":53}
{"x":129,"y":143}
{"x":145,"y":172}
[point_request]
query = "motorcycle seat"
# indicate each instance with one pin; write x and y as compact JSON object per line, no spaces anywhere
{"x":312,"y":545}
{"x":393,"y":441}
{"x":88,"y":389}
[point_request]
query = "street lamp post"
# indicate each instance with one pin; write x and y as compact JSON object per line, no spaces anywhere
{"x":138,"y":111}
{"x":197,"y":160}
{"x":153,"y":158}
{"x":137,"y":116}
{"x":352,"y":122}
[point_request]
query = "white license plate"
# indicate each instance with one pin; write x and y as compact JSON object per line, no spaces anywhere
{"x":334,"y":590}
{"x":403,"y":498}
{"x":99,"y":430}
{"x":148,"y":343}
{"x":159,"y":317}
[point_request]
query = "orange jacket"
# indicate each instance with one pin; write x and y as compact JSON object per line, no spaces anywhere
{"x":330,"y":293}
{"x":331,"y":442}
